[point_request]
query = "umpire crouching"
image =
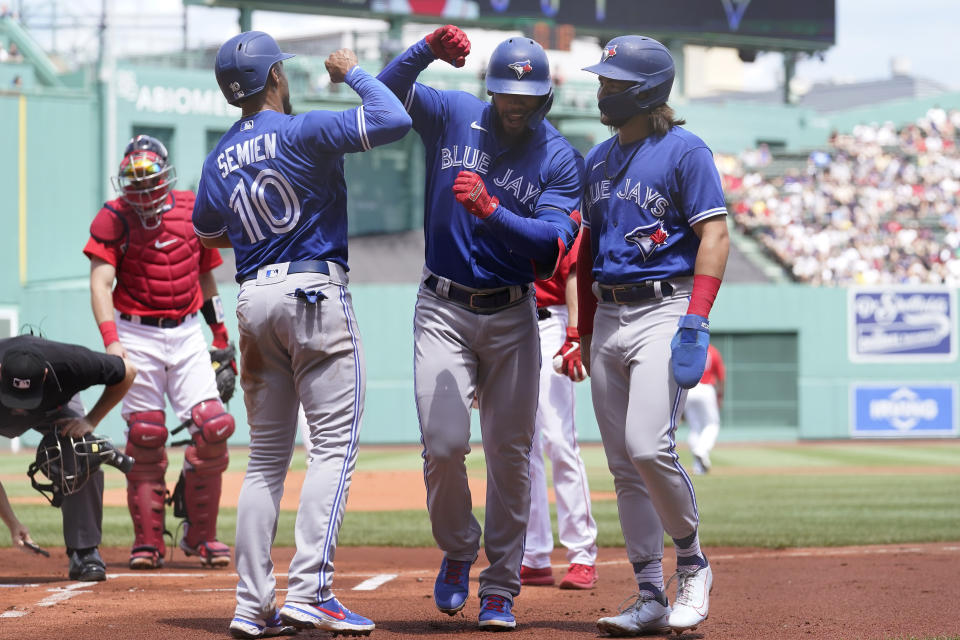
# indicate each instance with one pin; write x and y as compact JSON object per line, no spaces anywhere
{"x":39,"y":383}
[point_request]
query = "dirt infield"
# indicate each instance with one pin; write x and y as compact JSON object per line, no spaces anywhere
{"x":849,"y":593}
{"x":886,"y":592}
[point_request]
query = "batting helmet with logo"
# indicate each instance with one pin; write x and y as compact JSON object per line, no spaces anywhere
{"x":244,"y":62}
{"x":637,"y":59}
{"x":519,"y":66}
{"x":69,"y":462}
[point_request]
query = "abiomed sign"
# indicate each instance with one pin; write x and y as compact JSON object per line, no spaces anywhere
{"x":907,"y":410}
{"x":902,"y":324}
{"x":181,"y":100}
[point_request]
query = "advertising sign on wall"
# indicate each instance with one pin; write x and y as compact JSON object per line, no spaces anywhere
{"x":892,"y":410}
{"x":902,"y":324}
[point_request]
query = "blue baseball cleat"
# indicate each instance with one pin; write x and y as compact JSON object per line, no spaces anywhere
{"x":452,"y":587}
{"x":328,"y":615}
{"x":496,"y":614}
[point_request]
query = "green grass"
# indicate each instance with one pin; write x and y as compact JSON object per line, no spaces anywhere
{"x":771,"y":496}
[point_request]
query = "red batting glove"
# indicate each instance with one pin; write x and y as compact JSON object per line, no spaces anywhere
{"x":449,"y":44}
{"x":568,"y":357}
{"x":220,"y":337}
{"x":470,"y":191}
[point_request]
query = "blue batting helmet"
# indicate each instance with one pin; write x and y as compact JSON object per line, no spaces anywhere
{"x":244,"y":62}
{"x":519,"y":66}
{"x":637,"y":59}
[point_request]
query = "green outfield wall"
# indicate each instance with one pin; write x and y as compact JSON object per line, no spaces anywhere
{"x":791,"y":374}
{"x":787,"y":349}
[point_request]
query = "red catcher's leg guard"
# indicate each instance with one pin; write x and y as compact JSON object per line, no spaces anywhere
{"x":204,"y":464}
{"x":146,"y":488}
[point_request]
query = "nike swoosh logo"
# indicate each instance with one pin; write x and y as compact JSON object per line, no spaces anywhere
{"x":222,"y":430}
{"x":339,"y":615}
{"x":148,"y":438}
{"x":598,"y":164}
{"x":161,"y":245}
{"x":475,"y":125}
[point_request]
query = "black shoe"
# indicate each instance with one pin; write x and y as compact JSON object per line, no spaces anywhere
{"x":86,"y":565}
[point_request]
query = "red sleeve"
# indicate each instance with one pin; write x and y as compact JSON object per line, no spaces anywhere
{"x":721,"y":372}
{"x":107,"y":237}
{"x":210,"y":259}
{"x":586,"y":302}
{"x":569,"y":262}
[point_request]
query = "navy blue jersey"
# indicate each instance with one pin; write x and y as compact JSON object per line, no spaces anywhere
{"x":541,"y":177}
{"x":641,"y":202}
{"x":275,"y":184}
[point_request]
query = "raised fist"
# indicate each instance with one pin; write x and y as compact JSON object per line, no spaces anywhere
{"x":339,"y":63}
{"x":449,"y":44}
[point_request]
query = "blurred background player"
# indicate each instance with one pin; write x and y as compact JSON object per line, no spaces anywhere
{"x":39,"y":385}
{"x":654,"y":251}
{"x":556,"y":435}
{"x":702,"y":411}
{"x":299,"y":342}
{"x":501,"y":185}
{"x":149,"y":277}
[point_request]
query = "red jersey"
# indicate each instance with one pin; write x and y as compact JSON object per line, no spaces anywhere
{"x":554,"y":290}
{"x":158,"y":270}
{"x":714,"y":371}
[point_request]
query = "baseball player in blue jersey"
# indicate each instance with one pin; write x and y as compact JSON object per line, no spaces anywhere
{"x":273,"y":189}
{"x":501,"y":184}
{"x":653,"y":254}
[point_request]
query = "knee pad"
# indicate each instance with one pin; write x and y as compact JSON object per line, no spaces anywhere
{"x":146,"y":437}
{"x":211,"y":423}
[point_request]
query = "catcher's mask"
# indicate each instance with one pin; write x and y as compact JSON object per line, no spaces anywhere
{"x":69,"y":462}
{"x":145,"y":179}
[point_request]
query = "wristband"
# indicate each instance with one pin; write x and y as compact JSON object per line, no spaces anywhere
{"x":108,"y":330}
{"x":704,"y":293}
{"x":212,"y":310}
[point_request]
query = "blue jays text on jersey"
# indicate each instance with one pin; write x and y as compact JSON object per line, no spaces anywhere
{"x":274,"y":183}
{"x":641,"y":202}
{"x":541,"y":178}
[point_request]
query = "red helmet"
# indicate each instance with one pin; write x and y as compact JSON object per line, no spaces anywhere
{"x":145,"y":179}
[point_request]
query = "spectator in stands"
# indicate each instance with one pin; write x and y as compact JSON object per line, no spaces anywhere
{"x":13,"y":53}
{"x":877,"y":207}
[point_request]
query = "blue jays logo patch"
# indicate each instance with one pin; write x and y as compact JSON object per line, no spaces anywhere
{"x":648,"y":238}
{"x":609,"y":52}
{"x":521,"y":68}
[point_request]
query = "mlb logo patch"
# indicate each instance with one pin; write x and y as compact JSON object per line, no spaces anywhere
{"x":521,"y":68}
{"x":21,"y":383}
{"x":271,"y":273}
{"x":247,"y":125}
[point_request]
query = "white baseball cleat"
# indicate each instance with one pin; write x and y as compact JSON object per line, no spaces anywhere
{"x":693,"y":598}
{"x":639,"y":614}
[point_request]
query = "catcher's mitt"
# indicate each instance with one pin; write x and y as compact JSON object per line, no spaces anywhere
{"x":224,"y":363}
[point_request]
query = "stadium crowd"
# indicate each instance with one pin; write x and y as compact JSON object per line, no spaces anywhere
{"x":878,"y":206}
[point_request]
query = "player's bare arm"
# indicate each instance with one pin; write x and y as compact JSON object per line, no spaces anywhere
{"x":339,"y":63}
{"x":19,"y":534}
{"x":217,"y":242}
{"x":102,"y":276}
{"x":714,"y":247}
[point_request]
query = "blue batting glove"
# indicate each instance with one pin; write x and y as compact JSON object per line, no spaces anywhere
{"x":689,"y":350}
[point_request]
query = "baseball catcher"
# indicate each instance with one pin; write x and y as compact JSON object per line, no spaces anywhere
{"x":150,"y":280}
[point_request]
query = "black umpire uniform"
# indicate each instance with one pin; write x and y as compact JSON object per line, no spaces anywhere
{"x":39,"y":385}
